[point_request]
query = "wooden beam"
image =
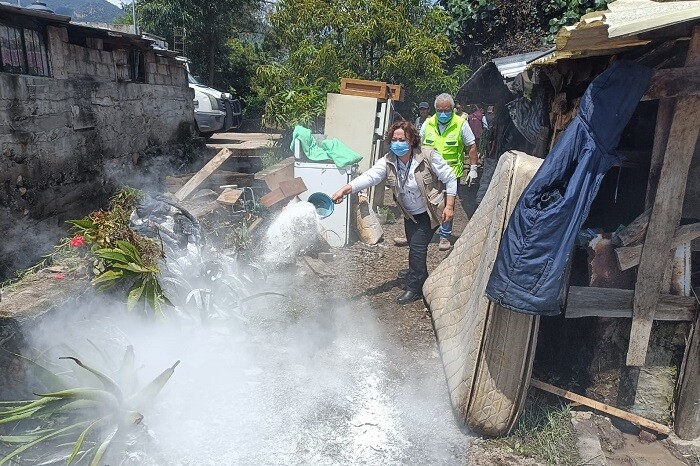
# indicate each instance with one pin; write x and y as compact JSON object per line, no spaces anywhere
{"x":214,"y":181}
{"x":666,"y":214}
{"x":203,"y":174}
{"x":634,"y":232}
{"x":598,"y":406}
{"x":584,"y":301}
{"x":664,"y":117}
{"x":687,"y":421}
{"x":285,"y":190}
{"x":673,"y":82}
{"x":628,"y":257}
{"x":686,"y":233}
{"x":651,"y":57}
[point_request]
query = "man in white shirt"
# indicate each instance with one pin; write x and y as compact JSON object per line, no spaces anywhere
{"x":451,"y":136}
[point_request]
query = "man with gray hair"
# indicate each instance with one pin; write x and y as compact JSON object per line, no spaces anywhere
{"x":450,"y":136}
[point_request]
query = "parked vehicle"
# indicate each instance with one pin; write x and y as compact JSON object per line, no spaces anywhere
{"x":214,"y":111}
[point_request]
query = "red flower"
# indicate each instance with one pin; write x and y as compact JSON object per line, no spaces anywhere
{"x":59,"y":276}
{"x":77,"y":241}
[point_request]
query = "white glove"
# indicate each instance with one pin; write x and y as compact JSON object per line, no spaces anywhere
{"x":472,"y":176}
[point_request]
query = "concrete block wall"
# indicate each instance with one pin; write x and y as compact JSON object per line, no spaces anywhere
{"x":164,"y":71}
{"x":62,"y":141}
{"x":70,"y":61}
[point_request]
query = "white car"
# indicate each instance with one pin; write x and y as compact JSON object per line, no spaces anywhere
{"x":214,"y":111}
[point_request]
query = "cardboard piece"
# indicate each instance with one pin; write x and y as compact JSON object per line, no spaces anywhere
{"x":286,"y":189}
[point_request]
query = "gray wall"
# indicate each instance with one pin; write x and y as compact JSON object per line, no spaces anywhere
{"x":57,"y":133}
{"x":66,"y":141}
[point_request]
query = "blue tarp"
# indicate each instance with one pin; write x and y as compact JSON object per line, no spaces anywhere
{"x":529,"y":273}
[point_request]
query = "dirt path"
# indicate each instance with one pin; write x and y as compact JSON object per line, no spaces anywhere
{"x":365,"y":278}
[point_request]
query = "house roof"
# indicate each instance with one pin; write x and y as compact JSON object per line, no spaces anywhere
{"x":626,"y":24}
{"x":113,"y":33}
{"x":45,"y":15}
{"x":513,"y":65}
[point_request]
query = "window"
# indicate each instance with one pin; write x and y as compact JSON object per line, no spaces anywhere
{"x":136,"y":66}
{"x":130,"y":65}
{"x":23,"y":50}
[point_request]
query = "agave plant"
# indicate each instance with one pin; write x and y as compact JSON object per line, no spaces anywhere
{"x":216,"y":288}
{"x":123,"y":262}
{"x":79,"y":424}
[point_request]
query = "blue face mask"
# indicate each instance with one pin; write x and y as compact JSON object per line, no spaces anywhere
{"x":444,"y":117}
{"x":399,"y":147}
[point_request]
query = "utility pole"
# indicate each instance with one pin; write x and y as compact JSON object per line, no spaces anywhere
{"x":133,"y":15}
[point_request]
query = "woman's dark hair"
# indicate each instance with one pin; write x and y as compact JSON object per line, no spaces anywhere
{"x":412,"y":135}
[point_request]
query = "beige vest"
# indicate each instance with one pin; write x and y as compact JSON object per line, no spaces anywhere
{"x":431,"y":188}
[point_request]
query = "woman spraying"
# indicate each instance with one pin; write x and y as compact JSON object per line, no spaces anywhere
{"x":419,"y":180}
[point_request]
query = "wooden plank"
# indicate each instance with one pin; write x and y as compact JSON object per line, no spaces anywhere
{"x":602,"y":407}
{"x":202,"y":174}
{"x":634,"y":232}
{"x":673,"y":82}
{"x":214,"y":182}
{"x":686,"y":233}
{"x":292,"y":187}
{"x":687,"y":421}
{"x":230,"y":196}
{"x":281,"y":171}
{"x":583,"y":301}
{"x":628,"y":257}
{"x":666,"y":214}
{"x":254,"y":225}
{"x":664,"y":118}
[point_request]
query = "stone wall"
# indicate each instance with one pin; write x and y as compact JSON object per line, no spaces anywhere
{"x":57,"y":133}
{"x":68,"y":140}
{"x":70,"y":61}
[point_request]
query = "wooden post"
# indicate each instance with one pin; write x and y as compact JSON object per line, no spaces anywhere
{"x":664,"y":117}
{"x":666,"y":214}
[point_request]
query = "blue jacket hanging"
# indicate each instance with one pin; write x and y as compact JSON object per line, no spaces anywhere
{"x":528,"y":275}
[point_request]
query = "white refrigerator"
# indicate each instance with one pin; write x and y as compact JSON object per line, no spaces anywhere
{"x":326,"y":178}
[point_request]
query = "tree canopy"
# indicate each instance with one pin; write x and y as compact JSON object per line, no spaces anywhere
{"x":211,"y":32}
{"x":282,"y":57}
{"x":504,"y":27}
{"x":321,"y":41}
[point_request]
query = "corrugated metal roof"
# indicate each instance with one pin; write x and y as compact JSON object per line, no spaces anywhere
{"x":619,"y":28}
{"x":513,"y":65}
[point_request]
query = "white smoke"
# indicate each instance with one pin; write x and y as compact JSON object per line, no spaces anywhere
{"x":305,"y":380}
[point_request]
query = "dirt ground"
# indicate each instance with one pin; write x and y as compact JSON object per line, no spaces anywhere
{"x":368,"y":274}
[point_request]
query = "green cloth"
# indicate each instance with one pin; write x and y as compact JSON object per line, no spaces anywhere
{"x":330,"y":150}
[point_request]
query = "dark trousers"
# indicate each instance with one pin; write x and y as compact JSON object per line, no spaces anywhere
{"x":418,"y":234}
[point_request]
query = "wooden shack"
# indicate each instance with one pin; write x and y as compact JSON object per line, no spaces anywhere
{"x":634,"y":273}
{"x":669,"y":42}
